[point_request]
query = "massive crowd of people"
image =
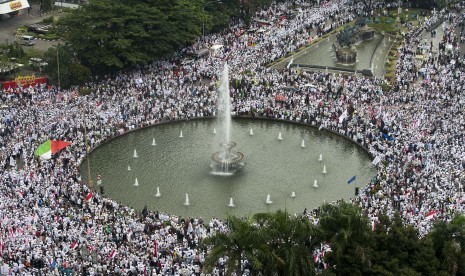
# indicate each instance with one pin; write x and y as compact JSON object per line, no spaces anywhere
{"x":49,"y":219}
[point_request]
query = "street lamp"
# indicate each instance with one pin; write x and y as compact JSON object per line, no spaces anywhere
{"x":203,"y":20}
{"x":90,"y":183}
{"x":58,"y":66}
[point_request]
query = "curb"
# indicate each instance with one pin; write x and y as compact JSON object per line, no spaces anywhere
{"x":44,"y":39}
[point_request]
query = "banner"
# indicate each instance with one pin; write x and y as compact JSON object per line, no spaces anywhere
{"x":11,"y":6}
{"x":24,"y":81}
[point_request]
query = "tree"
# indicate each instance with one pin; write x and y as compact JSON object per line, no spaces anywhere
{"x":397,"y":245}
{"x":273,"y":243}
{"x":348,"y":233}
{"x":290,"y":240}
{"x":449,"y":244}
{"x":236,"y":244}
{"x":63,"y":68}
{"x":425,"y":261}
{"x":114,"y":34}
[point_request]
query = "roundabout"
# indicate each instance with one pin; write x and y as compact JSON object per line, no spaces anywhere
{"x":153,"y":143}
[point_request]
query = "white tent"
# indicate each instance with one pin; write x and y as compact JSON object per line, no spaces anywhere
{"x":216,"y":47}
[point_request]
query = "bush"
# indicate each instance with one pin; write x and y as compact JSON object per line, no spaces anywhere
{"x":385,"y":87}
{"x":21,"y":31}
{"x":390,"y":76}
{"x":85,"y":91}
{"x":78,"y":73}
{"x":48,"y":20}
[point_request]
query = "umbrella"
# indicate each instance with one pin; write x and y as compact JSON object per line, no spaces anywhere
{"x":280,"y":98}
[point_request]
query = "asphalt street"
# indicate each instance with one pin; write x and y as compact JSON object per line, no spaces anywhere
{"x":9,"y":25}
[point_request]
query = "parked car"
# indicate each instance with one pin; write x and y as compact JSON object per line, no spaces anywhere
{"x":27,"y":40}
{"x":37,"y":62}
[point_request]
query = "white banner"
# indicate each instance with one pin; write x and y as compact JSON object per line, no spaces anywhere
{"x":12,"y":6}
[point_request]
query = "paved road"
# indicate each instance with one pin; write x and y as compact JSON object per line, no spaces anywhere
{"x":9,"y":25}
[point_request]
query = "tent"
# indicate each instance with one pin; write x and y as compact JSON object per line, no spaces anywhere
{"x":216,"y":47}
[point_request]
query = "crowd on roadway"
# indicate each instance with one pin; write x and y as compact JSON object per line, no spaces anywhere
{"x":414,"y":132}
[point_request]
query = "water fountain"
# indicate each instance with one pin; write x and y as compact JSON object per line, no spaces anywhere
{"x":129,"y":168}
{"x":225,"y":161}
{"x":268,"y":199}
{"x":280,"y":137}
{"x":136,"y":183}
{"x":251,"y":132}
{"x":180,"y":135}
{"x":268,"y":161}
{"x":187,"y":203}
{"x":231,"y":203}
{"x":315,"y":184}
{"x":324,"y":169}
{"x":214,"y":130}
{"x":158,"y":192}
{"x":293,"y":194}
{"x":352,"y":48}
{"x":153,"y":142}
{"x":321,"y":157}
{"x":303,"y":144}
{"x":135,"y":154}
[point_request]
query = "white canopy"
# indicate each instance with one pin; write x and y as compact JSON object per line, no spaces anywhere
{"x":216,"y":47}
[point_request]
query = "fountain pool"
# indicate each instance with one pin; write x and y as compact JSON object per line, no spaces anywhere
{"x":182,"y":166}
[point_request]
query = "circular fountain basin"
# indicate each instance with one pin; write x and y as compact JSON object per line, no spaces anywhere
{"x":180,"y":166}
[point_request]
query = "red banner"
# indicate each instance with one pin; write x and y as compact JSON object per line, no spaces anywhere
{"x":23,"y":81}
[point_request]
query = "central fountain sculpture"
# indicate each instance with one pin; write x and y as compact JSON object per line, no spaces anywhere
{"x":226,"y":161}
{"x":348,"y":37}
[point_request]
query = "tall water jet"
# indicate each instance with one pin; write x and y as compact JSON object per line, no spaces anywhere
{"x":251,"y":132}
{"x":187,"y":203}
{"x":268,"y":199}
{"x":153,"y":142}
{"x":135,"y":154}
{"x":303,"y":144}
{"x":280,"y":137}
{"x":324,"y":169}
{"x":158,"y":192}
{"x":129,"y":168}
{"x":225,"y":161}
{"x":320,"y":158}
{"x":293,"y":194}
{"x":136,"y":183}
{"x":214,"y":130}
{"x":180,"y":135}
{"x":315,"y":184}
{"x":231,"y":202}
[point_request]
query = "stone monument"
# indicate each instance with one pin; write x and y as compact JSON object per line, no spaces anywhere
{"x":348,"y":37}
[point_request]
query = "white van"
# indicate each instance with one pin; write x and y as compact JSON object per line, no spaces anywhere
{"x":27,"y":40}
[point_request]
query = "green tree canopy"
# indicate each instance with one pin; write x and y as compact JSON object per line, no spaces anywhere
{"x":115,"y":34}
{"x":280,"y":244}
{"x":63,"y":68}
{"x":348,"y":233}
{"x":449,"y":245}
{"x":273,"y":243}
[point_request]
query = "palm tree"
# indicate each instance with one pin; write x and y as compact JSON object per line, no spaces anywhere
{"x":348,"y":233}
{"x":273,"y":243}
{"x":236,"y":244}
{"x":290,"y":243}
